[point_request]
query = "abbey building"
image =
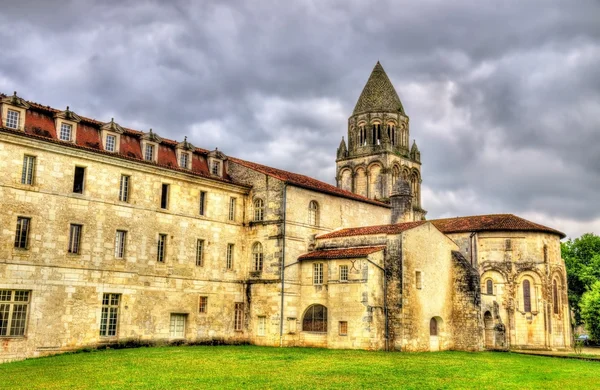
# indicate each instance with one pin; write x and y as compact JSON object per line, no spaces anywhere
{"x":109,"y":234}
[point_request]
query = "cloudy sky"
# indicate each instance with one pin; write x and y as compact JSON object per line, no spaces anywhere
{"x":503,"y":96}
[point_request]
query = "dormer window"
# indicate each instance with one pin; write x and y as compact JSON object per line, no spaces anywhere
{"x":110,"y":144}
{"x":13,"y":112}
{"x":111,"y":136}
{"x":217,"y":163}
{"x":216,"y":168}
{"x":184,"y":160}
{"x":149,"y":152}
{"x":66,"y":125}
{"x":184,"y":154}
{"x":150,"y":143}
{"x":65,"y":131}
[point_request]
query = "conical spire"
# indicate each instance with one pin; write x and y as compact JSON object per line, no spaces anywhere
{"x":379,"y":94}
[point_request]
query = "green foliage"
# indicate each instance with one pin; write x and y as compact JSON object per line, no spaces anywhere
{"x":590,"y":310}
{"x":582,"y":258}
{"x":241,"y":367}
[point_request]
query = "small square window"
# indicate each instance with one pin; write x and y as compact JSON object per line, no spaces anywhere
{"x":66,"y":131}
{"x":202,"y":304}
{"x":343,"y":328}
{"x":12,"y":119}
{"x":111,"y":142}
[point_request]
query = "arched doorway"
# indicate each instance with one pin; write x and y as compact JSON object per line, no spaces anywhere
{"x":488,"y":322}
{"x":435,"y":325}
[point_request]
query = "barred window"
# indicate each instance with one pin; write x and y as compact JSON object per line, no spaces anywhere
{"x":110,"y":314}
{"x":343,"y":328}
{"x":149,"y":152}
{"x":526,"y":296}
{"x":184,"y":160}
{"x":177,"y":326}
{"x":257,"y":256}
{"x":200,"y":253}
{"x":318,"y":273}
{"x":12,"y":119}
{"x":124,"y":188}
{"x":75,"y":238}
{"x":315,"y":319}
{"x":259,"y":209}
{"x":120,"y":244}
{"x":262,"y":325}
{"x":22,"y":233}
{"x":229,"y":256}
{"x":202,"y":202}
{"x":162,"y":248}
{"x":313,"y":213}
{"x":344,"y":273}
{"x":14,"y":306}
{"x":28,"y":170}
{"x":111,"y":142}
{"x":238,"y":320}
{"x":232,"y":209}
{"x":202,"y":304}
{"x":65,"y":131}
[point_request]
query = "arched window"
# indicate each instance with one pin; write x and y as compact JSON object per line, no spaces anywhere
{"x":376,"y":134}
{"x":313,"y":213}
{"x":395,"y":174}
{"x":315,"y":319}
{"x":489,"y":287}
{"x":526,"y":296}
{"x":391,"y":132}
{"x":362,"y":135}
{"x":257,"y":256}
{"x":555,"y":296}
{"x":433,"y":327}
{"x":259,"y":209}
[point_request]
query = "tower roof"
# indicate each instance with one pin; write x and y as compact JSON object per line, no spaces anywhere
{"x":378,"y":94}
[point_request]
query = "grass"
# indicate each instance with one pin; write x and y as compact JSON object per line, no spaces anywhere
{"x":262,"y":367}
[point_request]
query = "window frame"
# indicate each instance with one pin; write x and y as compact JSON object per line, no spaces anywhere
{"x":22,"y":232}
{"x":489,"y":286}
{"x":313,"y":213}
{"x":343,"y":328}
{"x":229,"y":256}
{"x":109,"y":315}
{"x":261,"y":330}
{"x":315,"y":324}
{"x":177,"y":329}
{"x":110,"y":146}
{"x":344,"y":273}
{"x":9,"y":120}
{"x":257,"y":256}
{"x":152,"y":146}
{"x":65,"y":128}
{"x":259,"y":210}
{"x":124,"y":188}
{"x":200,"y":252}
{"x":74,"y":242}
{"x":202,"y":304}
{"x":13,"y":317}
{"x":232,"y":208}
{"x":161,"y":248}
{"x":202,"y":203}
{"x":120,"y":243}
{"x":165,"y":190}
{"x":318,"y":270}
{"x":28,"y":172}
{"x":81,"y":188}
{"x":238,"y":317}
{"x":418,"y":280}
{"x":526,"y":285}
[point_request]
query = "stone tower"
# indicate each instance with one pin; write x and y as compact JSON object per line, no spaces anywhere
{"x":378,"y":153}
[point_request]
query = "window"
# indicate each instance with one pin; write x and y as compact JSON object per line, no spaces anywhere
{"x":313,"y":213}
{"x":238,"y":319}
{"x":229,"y":256}
{"x":418,"y":279}
{"x":120,"y":244}
{"x":110,"y":315}
{"x":202,"y":203}
{"x":526,"y":296}
{"x":78,"y":179}
{"x":74,"y":238}
{"x":489,"y":287}
{"x":200,"y":253}
{"x":124,"y":188}
{"x":262,"y":325}
{"x":315,"y":319}
{"x":555,"y":296}
{"x":184,"y":160}
{"x":508,"y":244}
{"x":202,"y":304}
{"x":14,"y":305}
{"x":343,"y":328}
{"x":12,"y":119}
{"x":343,"y":273}
{"x":292,"y":324}
{"x":232,"y":209}
{"x":22,"y":233}
{"x":433,"y":327}
{"x":28,"y":170}
{"x":216,"y":168}
{"x":111,"y":142}
{"x":318,"y":273}
{"x":177,"y":326}
{"x":149,"y":152}
{"x":164,"y":196}
{"x":66,"y":131}
{"x":257,"y":256}
{"x":162,"y":248}
{"x":259,"y":209}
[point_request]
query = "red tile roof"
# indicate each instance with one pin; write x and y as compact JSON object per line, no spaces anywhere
{"x":379,"y":229}
{"x":302,"y":181}
{"x":344,"y":253}
{"x":492,"y":222}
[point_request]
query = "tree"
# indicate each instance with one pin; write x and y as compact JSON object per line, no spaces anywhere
{"x":590,"y":310}
{"x":582,"y":259}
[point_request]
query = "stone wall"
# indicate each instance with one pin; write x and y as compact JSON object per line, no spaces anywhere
{"x":466,"y":311}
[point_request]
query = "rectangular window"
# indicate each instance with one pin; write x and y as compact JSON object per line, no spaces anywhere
{"x":78,"y":179}
{"x":28,"y":170}
{"x":111,"y":142}
{"x":124,"y":188}
{"x":232,"y":209}
{"x":162,"y":248}
{"x":292,"y":324}
{"x":202,"y":304}
{"x":177,"y":328}
{"x":65,"y":131}
{"x":216,"y":167}
{"x":318,"y":273}
{"x":120,"y":244}
{"x":238,"y":320}
{"x":200,"y":253}
{"x":75,"y":238}
{"x":262,"y":325}
{"x":14,"y":305}
{"x":184,"y":159}
{"x":12,"y":119}
{"x":164,"y":196}
{"x":22,"y":233}
{"x":343,"y":328}
{"x":418,"y":280}
{"x":229,"y":256}
{"x":110,"y":315}
{"x":343,"y":273}
{"x":149,"y":153}
{"x":202,"y":202}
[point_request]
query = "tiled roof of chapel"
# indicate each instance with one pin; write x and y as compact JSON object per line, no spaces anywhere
{"x":343,"y":253}
{"x":490,"y":222}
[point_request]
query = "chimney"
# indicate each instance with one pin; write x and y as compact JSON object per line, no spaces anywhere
{"x":401,"y":202}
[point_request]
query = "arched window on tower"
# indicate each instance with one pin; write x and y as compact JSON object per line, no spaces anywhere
{"x":259,"y":209}
{"x":555,"y":296}
{"x":257,"y":256}
{"x":362,"y":135}
{"x":391,"y":132}
{"x":313,"y":213}
{"x":395,"y":174}
{"x":376,"y":132}
{"x":526,"y":296}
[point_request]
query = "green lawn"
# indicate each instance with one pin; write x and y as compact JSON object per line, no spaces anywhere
{"x":261,"y":367}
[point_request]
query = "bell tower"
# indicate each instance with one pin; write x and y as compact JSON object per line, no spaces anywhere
{"x":378,"y":151}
